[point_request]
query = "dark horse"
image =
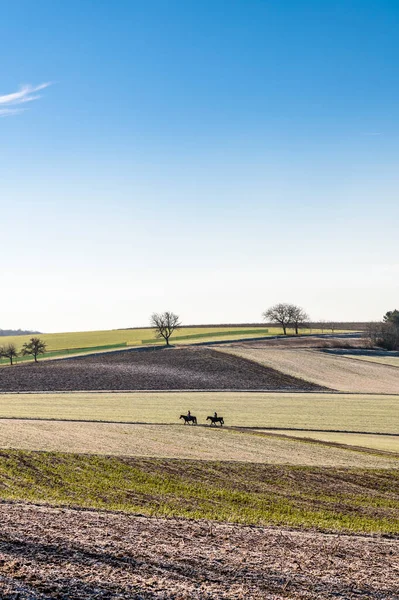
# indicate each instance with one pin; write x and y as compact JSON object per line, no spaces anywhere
{"x":215,"y":420}
{"x":189,"y":419}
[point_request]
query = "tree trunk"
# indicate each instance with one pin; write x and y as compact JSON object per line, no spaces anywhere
{"x":285,"y":330}
{"x":296,"y":329}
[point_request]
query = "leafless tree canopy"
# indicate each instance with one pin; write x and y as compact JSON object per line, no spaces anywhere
{"x":34,"y":347}
{"x":297,"y":316}
{"x":165,"y":324}
{"x":384,"y":335}
{"x":9,"y":351}
{"x":286,"y":315}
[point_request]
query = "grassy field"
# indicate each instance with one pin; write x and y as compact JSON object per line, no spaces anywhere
{"x":177,"y":441}
{"x":355,"y":500}
{"x":386,"y":443}
{"x":392,"y":361}
{"x":339,"y":412}
{"x":59,"y":344}
{"x":133,"y":337}
{"x":330,"y":370}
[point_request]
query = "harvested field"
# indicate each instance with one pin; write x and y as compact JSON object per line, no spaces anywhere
{"x":58,"y":553}
{"x":339,"y":412}
{"x":166,"y":369}
{"x":386,"y":443}
{"x":175,"y":441}
{"x":321,"y":368}
{"x":392,"y":361}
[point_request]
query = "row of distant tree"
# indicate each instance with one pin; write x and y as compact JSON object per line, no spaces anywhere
{"x":290,"y":316}
{"x":283,"y":314}
{"x":384,"y":334}
{"x":4,"y":332}
{"x":34,"y":347}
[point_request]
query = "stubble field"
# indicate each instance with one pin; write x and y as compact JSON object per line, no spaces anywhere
{"x":370,"y":413}
{"x":184,"y":442}
{"x":321,"y":368}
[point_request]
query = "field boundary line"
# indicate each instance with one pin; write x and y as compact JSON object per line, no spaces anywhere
{"x":199,"y":391}
{"x":256,"y":428}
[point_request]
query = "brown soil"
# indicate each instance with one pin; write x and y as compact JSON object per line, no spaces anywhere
{"x":49,"y":553}
{"x":171,"y":369}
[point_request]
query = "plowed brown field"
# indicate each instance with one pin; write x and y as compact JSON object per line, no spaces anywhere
{"x":166,"y":369}
{"x":48,"y":553}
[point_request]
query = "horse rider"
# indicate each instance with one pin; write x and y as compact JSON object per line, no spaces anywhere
{"x":188,"y":413}
{"x":215,"y":415}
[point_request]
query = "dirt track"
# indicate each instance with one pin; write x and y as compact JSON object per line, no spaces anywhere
{"x":48,"y":553}
{"x":172,"y":369}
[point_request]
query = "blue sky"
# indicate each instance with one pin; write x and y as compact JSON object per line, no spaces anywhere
{"x":210,"y":158}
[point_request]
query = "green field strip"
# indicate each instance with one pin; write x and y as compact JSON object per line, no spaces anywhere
{"x":328,"y":499}
{"x":64,"y":352}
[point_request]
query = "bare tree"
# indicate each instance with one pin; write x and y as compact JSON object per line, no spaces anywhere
{"x":279,"y":313}
{"x":297,"y":317}
{"x":384,"y":335}
{"x":165,"y":324}
{"x":34,"y":347}
{"x":9,"y":351}
{"x":287,"y":315}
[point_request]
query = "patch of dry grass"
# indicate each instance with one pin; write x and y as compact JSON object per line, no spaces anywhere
{"x":334,"y":372}
{"x":179,"y":441}
{"x":342,"y":412}
{"x":392,"y":361}
{"x":386,"y":443}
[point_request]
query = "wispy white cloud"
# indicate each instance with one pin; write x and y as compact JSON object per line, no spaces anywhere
{"x":27,"y":93}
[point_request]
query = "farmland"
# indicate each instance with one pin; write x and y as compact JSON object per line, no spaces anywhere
{"x":386,"y":443}
{"x":86,"y":554}
{"x":64,"y":344}
{"x":105,"y":493}
{"x":326,"y":498}
{"x":158,"y":368}
{"x":177,"y":441}
{"x":329,"y":370}
{"x":319,"y":411}
{"x":386,"y":359}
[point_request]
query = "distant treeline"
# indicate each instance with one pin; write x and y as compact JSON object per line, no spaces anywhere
{"x":340,"y":325}
{"x":16,"y":332}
